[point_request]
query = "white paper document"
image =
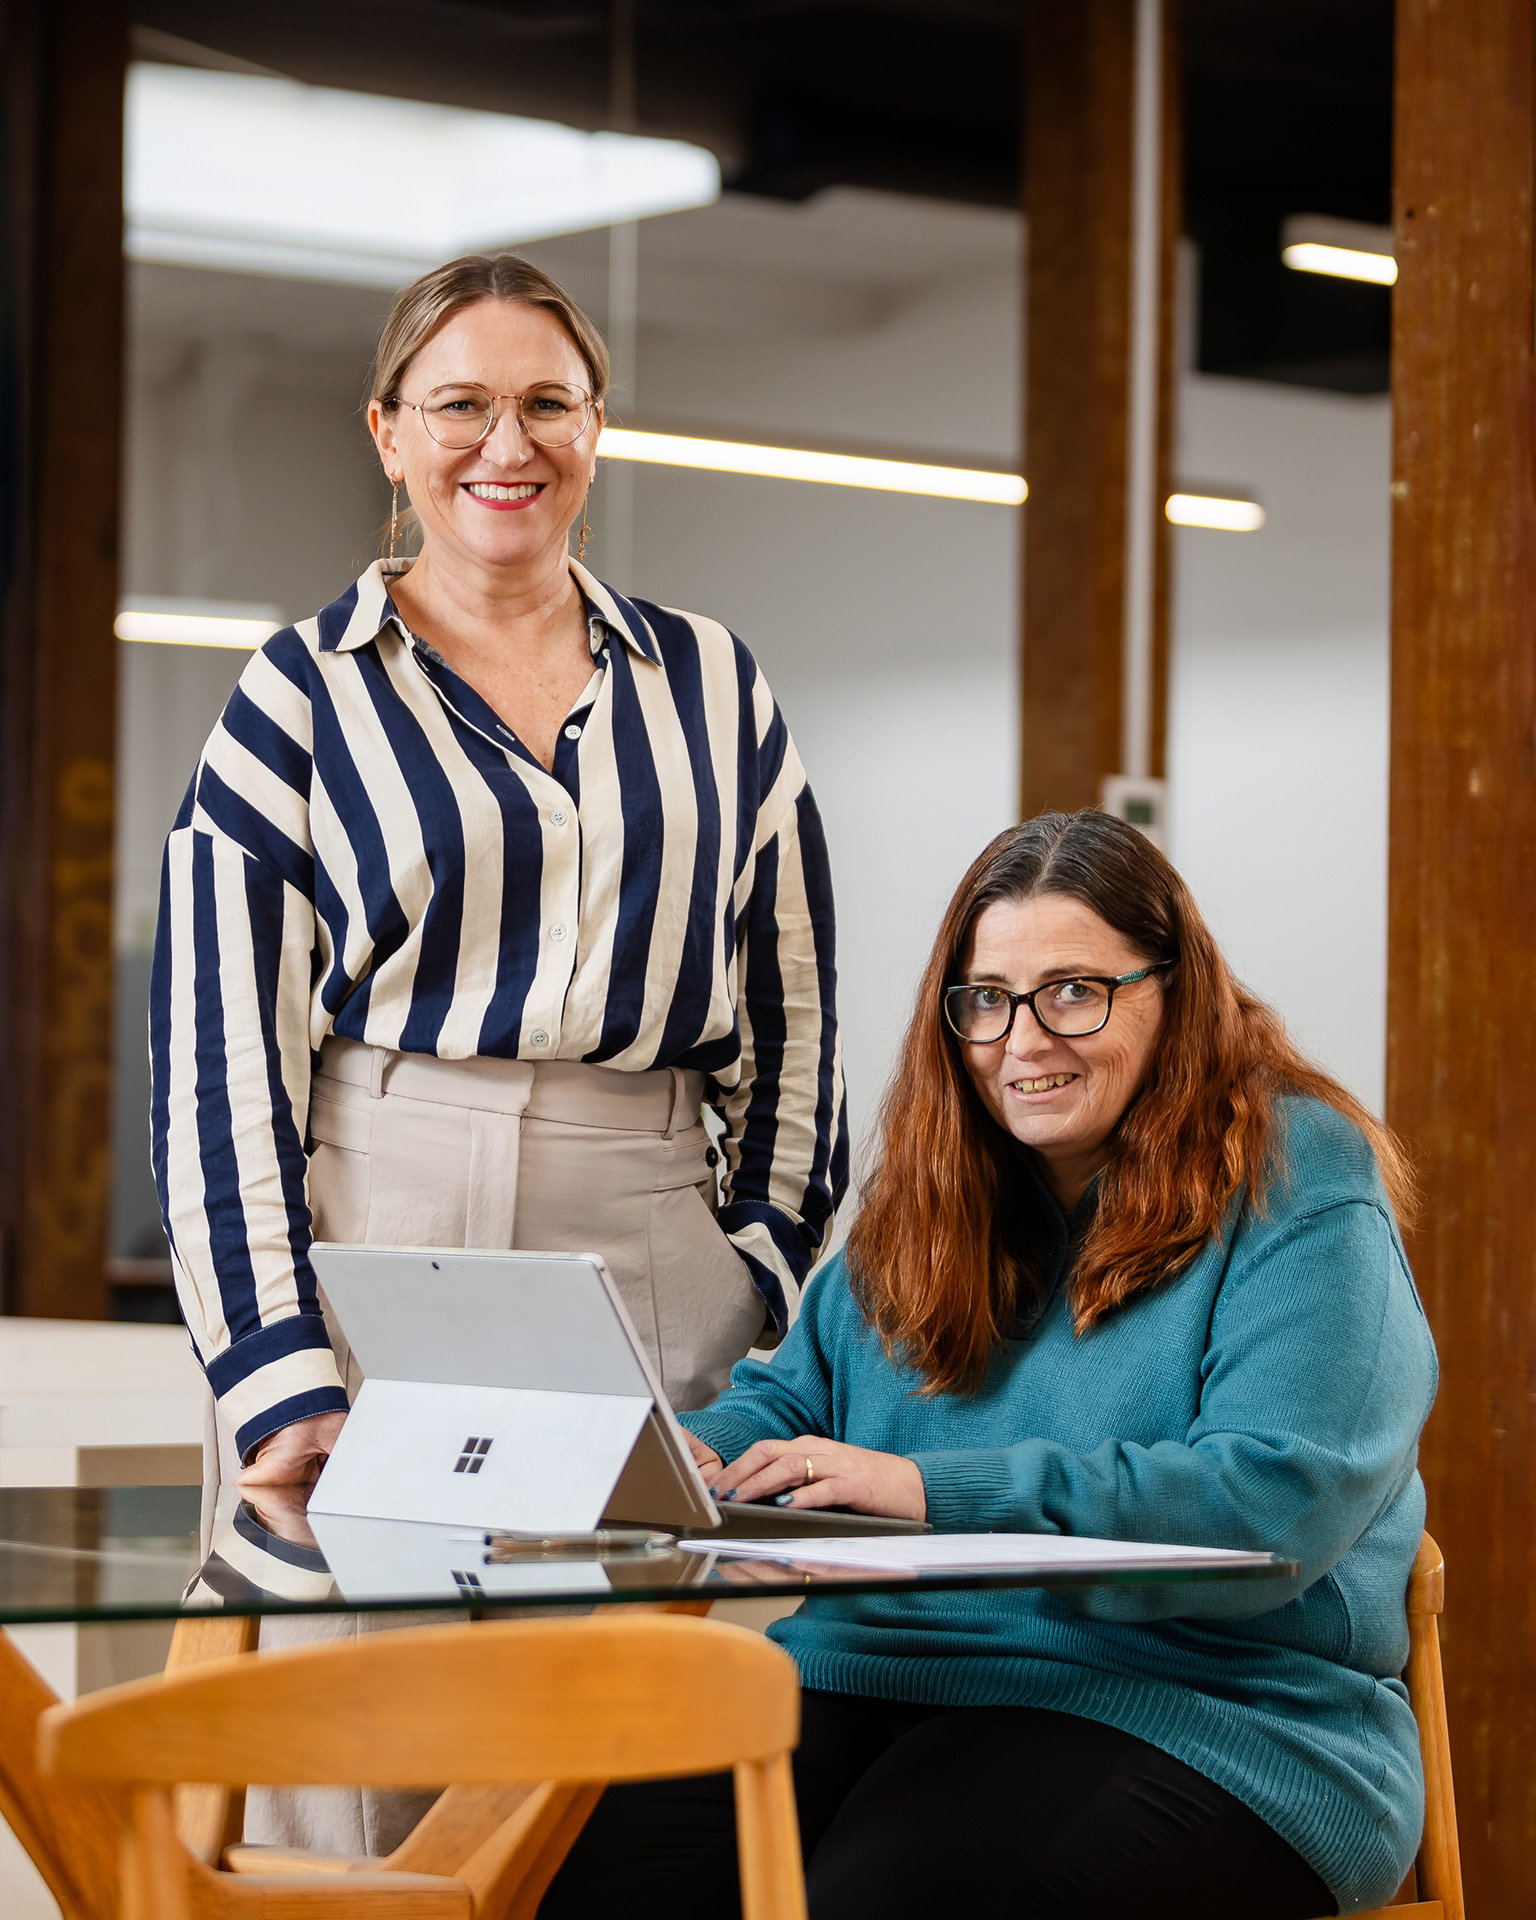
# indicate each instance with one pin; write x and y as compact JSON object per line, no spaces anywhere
{"x":979,"y":1552}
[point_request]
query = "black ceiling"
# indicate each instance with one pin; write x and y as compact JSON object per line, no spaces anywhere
{"x":1288,"y":109}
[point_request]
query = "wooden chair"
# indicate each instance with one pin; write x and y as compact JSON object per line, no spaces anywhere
{"x":71,"y":1828}
{"x":560,"y":1701}
{"x":1432,"y":1890}
{"x":530,"y":1828}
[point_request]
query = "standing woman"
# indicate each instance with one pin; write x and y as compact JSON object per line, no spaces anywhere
{"x":488,"y":878}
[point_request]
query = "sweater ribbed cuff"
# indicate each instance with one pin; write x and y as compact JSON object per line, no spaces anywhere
{"x":717,"y":1429}
{"x":968,"y":1492}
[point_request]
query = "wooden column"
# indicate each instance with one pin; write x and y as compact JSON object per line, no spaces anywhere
{"x":1461,"y":1055}
{"x":1078,"y":154}
{"x":63,"y":67}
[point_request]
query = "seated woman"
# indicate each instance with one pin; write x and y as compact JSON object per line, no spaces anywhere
{"x":1126,"y":1267}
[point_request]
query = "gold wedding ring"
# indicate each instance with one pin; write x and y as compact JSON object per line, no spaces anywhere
{"x":810,"y":1470}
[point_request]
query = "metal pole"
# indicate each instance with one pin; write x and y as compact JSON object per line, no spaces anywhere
{"x":1141,"y":502}
{"x":618,"y":491}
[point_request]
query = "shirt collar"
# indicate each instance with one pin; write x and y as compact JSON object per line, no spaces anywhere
{"x":1069,"y":1225}
{"x":622,"y":615}
{"x":365,"y":609}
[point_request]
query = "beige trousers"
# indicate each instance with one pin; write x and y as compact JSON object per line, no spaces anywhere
{"x":553,"y":1157}
{"x":557,"y":1158}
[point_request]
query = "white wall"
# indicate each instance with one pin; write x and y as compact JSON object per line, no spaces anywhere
{"x":886,"y":624}
{"x":1278,"y":714}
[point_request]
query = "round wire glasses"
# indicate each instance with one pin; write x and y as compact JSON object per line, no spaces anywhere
{"x":1069,"y":1009}
{"x":462,"y":415}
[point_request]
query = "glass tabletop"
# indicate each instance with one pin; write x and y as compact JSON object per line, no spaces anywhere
{"x":131,"y":1553}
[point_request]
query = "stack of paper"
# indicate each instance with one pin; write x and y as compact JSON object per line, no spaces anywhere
{"x":981,"y":1552}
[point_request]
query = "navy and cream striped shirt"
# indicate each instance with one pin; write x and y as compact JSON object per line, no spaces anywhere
{"x":366,"y":850}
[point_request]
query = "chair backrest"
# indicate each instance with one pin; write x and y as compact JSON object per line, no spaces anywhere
{"x":572,"y":1700}
{"x":1438,"y":1868}
{"x":606,"y":1698}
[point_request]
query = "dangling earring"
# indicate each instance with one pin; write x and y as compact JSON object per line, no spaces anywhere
{"x":584,"y":532}
{"x":394,"y":517}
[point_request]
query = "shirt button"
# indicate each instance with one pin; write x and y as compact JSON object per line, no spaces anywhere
{"x":557,"y":932}
{"x":573,"y":732}
{"x":540,"y":1039}
{"x":559,"y":817}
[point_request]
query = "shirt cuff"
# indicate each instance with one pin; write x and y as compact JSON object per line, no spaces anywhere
{"x":281,"y":1373}
{"x":777,"y":1256}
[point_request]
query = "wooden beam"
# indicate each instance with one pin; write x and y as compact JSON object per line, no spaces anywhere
{"x":1170,"y":370}
{"x":1461,"y":1050}
{"x":1078,"y":200}
{"x":62,"y":318}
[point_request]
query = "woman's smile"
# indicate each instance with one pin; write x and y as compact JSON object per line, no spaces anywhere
{"x":1037,"y":1091}
{"x":493,"y":494}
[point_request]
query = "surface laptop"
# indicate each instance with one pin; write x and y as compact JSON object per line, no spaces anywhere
{"x":510,"y":1390}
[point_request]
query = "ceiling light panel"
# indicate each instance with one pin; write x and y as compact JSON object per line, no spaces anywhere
{"x":259,"y":175}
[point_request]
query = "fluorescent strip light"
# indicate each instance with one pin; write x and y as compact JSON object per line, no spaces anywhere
{"x":887,"y":476}
{"x":831,"y":469}
{"x":1222,"y":516}
{"x":166,"y":624}
{"x":259,"y":175}
{"x":1344,"y":263}
{"x":1346,"y":249}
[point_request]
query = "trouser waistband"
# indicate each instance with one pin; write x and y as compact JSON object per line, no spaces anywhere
{"x":662,"y":1100}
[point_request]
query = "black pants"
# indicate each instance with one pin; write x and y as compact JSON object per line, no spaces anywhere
{"x":938,"y":1811}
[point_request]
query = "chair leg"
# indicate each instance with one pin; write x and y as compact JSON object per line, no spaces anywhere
{"x":68,"y":1828}
{"x":210,"y":1818}
{"x":768,"y":1841}
{"x":511,"y":1873}
{"x":458,"y":1824}
{"x":154,"y":1864}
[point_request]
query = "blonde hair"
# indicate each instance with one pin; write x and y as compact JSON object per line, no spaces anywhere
{"x":426,"y":303}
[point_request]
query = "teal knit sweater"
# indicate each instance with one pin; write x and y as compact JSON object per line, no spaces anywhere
{"x":1270,"y":1396}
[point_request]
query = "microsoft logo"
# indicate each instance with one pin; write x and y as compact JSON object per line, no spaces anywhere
{"x":472,"y":1456}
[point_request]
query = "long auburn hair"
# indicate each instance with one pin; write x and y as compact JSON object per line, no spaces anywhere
{"x":941,"y":1255}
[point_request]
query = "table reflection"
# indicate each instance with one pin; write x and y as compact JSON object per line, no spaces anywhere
{"x":130,"y":1553}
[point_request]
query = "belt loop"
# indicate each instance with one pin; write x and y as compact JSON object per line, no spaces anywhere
{"x":676,"y":1118}
{"x":376,"y":1068}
